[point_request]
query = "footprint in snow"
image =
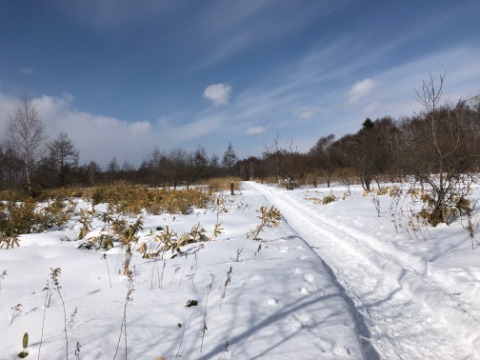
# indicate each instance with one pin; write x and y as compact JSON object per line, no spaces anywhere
{"x":324,"y":345}
{"x":284,"y":249}
{"x":309,"y":277}
{"x":296,"y":322}
{"x":272,"y":301}
{"x":305,"y":291}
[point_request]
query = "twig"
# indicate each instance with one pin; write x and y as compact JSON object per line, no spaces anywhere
{"x":181,"y":341}
{"x":123,"y":328}
{"x":104,"y":256}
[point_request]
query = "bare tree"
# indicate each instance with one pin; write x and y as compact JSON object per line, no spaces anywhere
{"x":437,"y":150}
{"x":323,"y":159}
{"x":26,"y":135}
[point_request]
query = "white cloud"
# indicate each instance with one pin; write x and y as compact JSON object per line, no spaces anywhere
{"x":307,"y":112}
{"x":193,"y":130}
{"x":26,"y":71}
{"x":98,"y":137}
{"x":255,"y":130}
{"x":218,"y":94}
{"x":361,"y":89}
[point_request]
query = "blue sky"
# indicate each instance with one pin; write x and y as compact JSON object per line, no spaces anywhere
{"x":124,"y":76}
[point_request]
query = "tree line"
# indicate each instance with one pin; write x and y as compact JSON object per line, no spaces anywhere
{"x":29,"y":160}
{"x":441,"y":140}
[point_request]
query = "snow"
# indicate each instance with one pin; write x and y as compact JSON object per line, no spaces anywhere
{"x":333,"y":281}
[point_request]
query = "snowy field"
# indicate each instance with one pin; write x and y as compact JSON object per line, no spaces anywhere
{"x":345,"y":280}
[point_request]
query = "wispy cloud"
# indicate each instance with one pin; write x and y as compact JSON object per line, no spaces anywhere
{"x":255,"y":130}
{"x":26,"y":71}
{"x":228,"y":28}
{"x":111,"y":15}
{"x":306,"y":113}
{"x":218,"y":94}
{"x":361,"y":89}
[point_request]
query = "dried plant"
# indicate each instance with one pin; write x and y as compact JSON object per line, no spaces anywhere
{"x":225,"y":285}
{"x":183,"y":326}
{"x":123,"y":328}
{"x":16,"y":312}
{"x":2,"y":277}
{"x":86,"y":221}
{"x":126,"y":198}
{"x":471,"y":229}
{"x":255,"y":254}
{"x":54,"y":276}
{"x":20,"y":217}
{"x":126,"y":236}
{"x":195,"y":257}
{"x":77,"y":351}
{"x":169,"y":240}
{"x":217,"y":230}
{"x":104,"y":257}
{"x":208,"y":288}
{"x":376,"y":203}
{"x":269,"y":217}
{"x":58,"y":212}
{"x":8,"y":241}
{"x":238,"y":256}
{"x":225,"y":350}
{"x":52,"y":285}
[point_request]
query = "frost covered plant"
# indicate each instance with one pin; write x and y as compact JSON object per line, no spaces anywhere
{"x":269,"y":217}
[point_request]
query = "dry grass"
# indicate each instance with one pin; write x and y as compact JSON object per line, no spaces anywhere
{"x":127,"y":198}
{"x":223,"y":184}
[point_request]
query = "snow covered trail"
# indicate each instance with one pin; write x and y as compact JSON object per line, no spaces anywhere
{"x":406,"y":305}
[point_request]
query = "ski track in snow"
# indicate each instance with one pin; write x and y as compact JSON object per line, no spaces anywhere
{"x":393,"y":294}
